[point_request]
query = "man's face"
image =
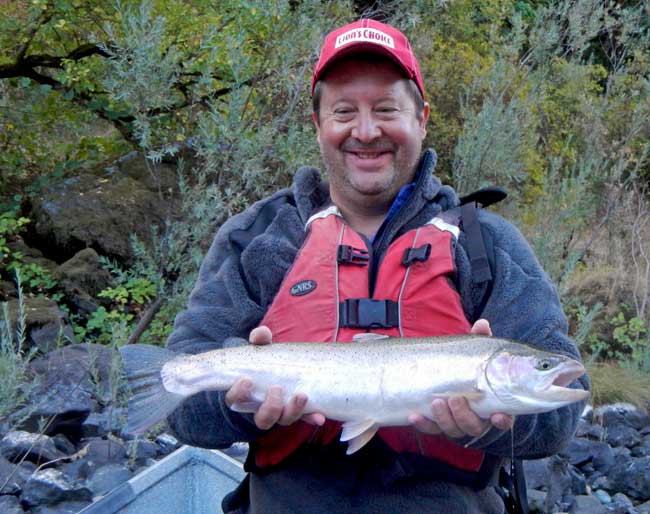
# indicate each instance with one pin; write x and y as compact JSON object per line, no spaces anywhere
{"x":369,"y":133}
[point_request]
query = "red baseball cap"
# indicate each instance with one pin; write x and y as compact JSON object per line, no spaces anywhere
{"x":369,"y":36}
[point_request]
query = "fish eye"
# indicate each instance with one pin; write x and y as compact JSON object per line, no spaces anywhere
{"x":545,"y":364}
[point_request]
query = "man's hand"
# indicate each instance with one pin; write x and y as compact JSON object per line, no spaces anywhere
{"x":272,"y":410}
{"x":454,"y":417}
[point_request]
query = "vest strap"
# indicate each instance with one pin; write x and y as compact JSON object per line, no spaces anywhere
{"x":367,"y":313}
{"x":346,"y":254}
{"x":412,"y":255}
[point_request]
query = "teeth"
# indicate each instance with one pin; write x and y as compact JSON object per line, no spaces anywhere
{"x":366,"y":155}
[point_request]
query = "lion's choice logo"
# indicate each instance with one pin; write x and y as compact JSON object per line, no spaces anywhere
{"x":303,"y":288}
{"x":368,"y":35}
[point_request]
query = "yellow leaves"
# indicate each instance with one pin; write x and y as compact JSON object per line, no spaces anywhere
{"x":60,"y":24}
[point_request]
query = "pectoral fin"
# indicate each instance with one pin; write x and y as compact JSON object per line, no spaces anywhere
{"x":250,"y":406}
{"x":358,"y":433}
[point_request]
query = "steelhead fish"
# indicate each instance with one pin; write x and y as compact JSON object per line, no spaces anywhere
{"x":372,"y":382}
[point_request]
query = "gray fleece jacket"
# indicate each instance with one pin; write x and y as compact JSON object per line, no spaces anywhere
{"x":237,"y":282}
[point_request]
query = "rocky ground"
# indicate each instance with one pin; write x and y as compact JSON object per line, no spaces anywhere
{"x":67,"y":448}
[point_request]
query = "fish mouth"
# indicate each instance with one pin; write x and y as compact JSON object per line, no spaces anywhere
{"x":557,"y":389}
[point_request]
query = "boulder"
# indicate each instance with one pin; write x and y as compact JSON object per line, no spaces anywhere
{"x":631,"y":478}
{"x":99,"y":210}
{"x":10,"y":505}
{"x":622,"y":435}
{"x":51,"y":486}
{"x":587,"y":504}
{"x":82,"y":277}
{"x":13,"y":476}
{"x":108,"y":477}
{"x":71,"y":383}
{"x":46,"y":324}
{"x":36,"y":448}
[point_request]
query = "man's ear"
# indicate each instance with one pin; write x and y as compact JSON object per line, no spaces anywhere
{"x":425,"y":117}
{"x":314,"y":117}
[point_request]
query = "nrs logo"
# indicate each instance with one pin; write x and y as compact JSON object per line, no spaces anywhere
{"x":303,"y":288}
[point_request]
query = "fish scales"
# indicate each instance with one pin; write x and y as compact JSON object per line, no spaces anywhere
{"x":379,"y":382}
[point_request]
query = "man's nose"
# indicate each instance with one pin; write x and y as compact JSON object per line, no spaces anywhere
{"x":366,"y":128}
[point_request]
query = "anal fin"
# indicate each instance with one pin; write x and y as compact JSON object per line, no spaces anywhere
{"x":358,"y":433}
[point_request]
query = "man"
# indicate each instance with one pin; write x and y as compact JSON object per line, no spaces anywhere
{"x":267,"y":278}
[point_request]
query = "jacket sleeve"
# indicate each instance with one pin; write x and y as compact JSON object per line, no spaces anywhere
{"x":237,"y":281}
{"x":524,"y":305}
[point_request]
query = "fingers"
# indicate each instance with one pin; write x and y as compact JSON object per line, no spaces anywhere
{"x":502,"y":421}
{"x":481,"y":327}
{"x":452,"y":417}
{"x":293,"y":410}
{"x":261,"y":335}
{"x":239,"y":392}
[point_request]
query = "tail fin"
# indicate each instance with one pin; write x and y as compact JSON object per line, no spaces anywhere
{"x":150,"y":402}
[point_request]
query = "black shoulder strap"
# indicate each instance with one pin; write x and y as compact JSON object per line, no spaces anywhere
{"x":479,"y":257}
{"x":512,"y":484}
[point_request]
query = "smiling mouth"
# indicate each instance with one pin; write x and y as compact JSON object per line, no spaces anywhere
{"x":369,"y":155}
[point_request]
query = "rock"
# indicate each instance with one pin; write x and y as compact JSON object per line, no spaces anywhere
{"x":239,"y":451}
{"x":104,"y":451}
{"x":61,"y":508}
{"x":98,"y":424}
{"x":643,"y":508}
{"x":622,"y":435}
{"x":84,"y":271}
{"x":621,"y":414}
{"x":108,"y":477}
{"x":579,"y":451}
{"x":82,"y":278}
{"x":60,"y":408}
{"x":140,"y":450}
{"x":7,"y":291}
{"x":50,"y":486}
{"x":46,"y":324}
{"x":536,"y":500}
{"x":10,"y":505}
{"x":168,"y":443}
{"x":643,"y":448}
{"x":621,"y":504}
{"x":70,"y":381}
{"x":99,"y":210}
{"x":12,"y":476}
{"x":63,"y":444}
{"x":603,"y":496}
{"x":36,"y":448}
{"x":631,"y":478}
{"x":154,"y":176}
{"x":590,"y":456}
{"x":601,"y":482}
{"x":587,"y":504}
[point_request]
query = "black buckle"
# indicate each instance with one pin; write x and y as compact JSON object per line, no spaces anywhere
{"x":420,"y":254}
{"x":367,"y":313}
{"x":349,"y":255}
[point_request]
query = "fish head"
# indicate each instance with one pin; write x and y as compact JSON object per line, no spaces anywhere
{"x":531,"y":381}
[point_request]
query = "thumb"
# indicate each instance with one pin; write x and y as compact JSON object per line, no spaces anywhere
{"x":261,"y":335}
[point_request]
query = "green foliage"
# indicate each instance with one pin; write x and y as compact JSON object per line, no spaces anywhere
{"x":10,"y":226}
{"x":14,"y":359}
{"x":612,"y":383}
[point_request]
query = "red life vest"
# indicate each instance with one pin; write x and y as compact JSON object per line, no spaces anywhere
{"x":324,"y":297}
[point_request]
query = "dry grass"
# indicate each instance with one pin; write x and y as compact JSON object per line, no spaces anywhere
{"x":613,"y":383}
